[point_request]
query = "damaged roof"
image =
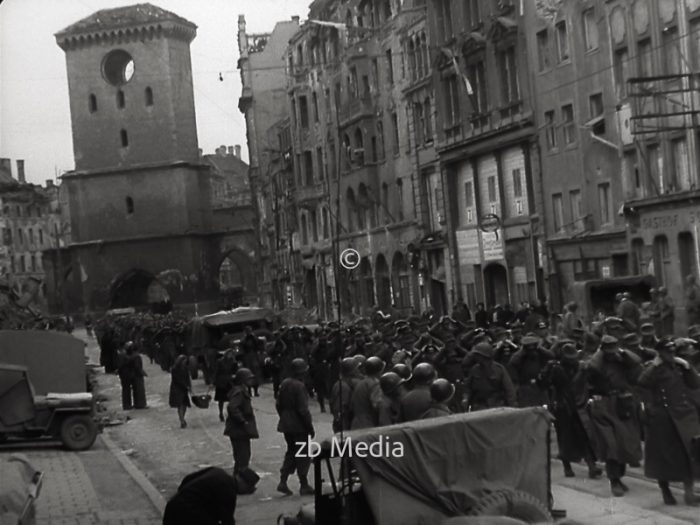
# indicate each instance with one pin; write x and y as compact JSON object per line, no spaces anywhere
{"x":128,"y":16}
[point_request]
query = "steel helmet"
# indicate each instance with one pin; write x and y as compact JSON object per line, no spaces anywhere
{"x":424,"y":373}
{"x":389,"y":382}
{"x":242,"y":375}
{"x":402,"y":370}
{"x":360,"y":359}
{"x":374,"y":366}
{"x":299,"y":366}
{"x":348,"y":366}
{"x":484,"y":349}
{"x":442,"y":390}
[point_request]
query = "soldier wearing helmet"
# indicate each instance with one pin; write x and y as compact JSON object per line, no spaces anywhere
{"x":366,"y":394}
{"x":241,"y":426}
{"x":488,"y":384}
{"x":418,"y":400}
{"x":441,"y":393}
{"x":389,"y":406}
{"x":297,"y":426}
{"x":341,"y":393}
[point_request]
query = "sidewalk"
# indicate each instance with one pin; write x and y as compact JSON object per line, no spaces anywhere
{"x":86,"y":488}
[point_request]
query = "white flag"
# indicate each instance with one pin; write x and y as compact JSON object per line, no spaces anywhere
{"x":467,"y":84}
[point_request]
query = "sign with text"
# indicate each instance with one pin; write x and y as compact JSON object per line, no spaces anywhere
{"x":468,"y":246}
{"x":492,"y":243}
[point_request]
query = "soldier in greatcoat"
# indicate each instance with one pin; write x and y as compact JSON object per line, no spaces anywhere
{"x":525,"y":366}
{"x":241,"y":426}
{"x":672,"y":422}
{"x":611,"y":374}
{"x":389,"y":406}
{"x":487,"y":384}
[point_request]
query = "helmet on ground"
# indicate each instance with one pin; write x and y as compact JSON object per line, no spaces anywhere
{"x":389,"y":382}
{"x":442,"y":390}
{"x":424,"y":373}
{"x":349,"y":365}
{"x":299,"y":366}
{"x":374,"y":366}
{"x":403,"y":371}
{"x":242,"y":375}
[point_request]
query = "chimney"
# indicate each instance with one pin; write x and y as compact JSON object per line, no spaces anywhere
{"x":6,"y":164}
{"x":238,"y":151}
{"x":230,"y":150}
{"x":295,"y":18}
{"x":222,"y":150}
{"x":49,"y":183}
{"x":20,"y":171}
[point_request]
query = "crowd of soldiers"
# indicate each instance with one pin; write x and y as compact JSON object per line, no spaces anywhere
{"x":621,"y":389}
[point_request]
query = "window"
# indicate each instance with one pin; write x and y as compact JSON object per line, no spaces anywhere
{"x":551,"y":131}
{"x":567,"y":115}
{"x":604,"y":203}
{"x":655,"y":168}
{"x":621,"y":71}
{"x":33,"y":260}
{"x":374,"y":149}
{"x":20,"y":236}
{"x":473,"y":13}
{"x":385,"y":202}
{"x":562,"y":42}
{"x":31,"y":236}
{"x":380,"y":139}
{"x":314,"y":98}
{"x":680,"y":164}
{"x":129,"y":205}
{"x":22,"y":264}
{"x":326,"y":224}
{"x":359,"y":153}
{"x":558,"y":213}
{"x":294,"y":112}
{"x":366,"y":87}
{"x":41,"y":237}
{"x":332,"y":166}
{"x":444,"y":19}
{"x":389,"y":66}
{"x":645,"y":58}
{"x":337,"y":94}
{"x":375,"y":75}
{"x":662,"y":260}
{"x":319,"y":164}
{"x":399,"y":201}
{"x":428,"y":121}
{"x":510,"y":89}
{"x":149,"y":96}
{"x":671,"y":51}
{"x":451,"y":86}
{"x":314,"y":225}
{"x":590,"y":30}
{"x":304,"y":231}
{"x":477,"y":78}
{"x":576,"y":212}
{"x":491,"y":181}
{"x":395,"y":132}
{"x":543,"y":50}
{"x":308,"y":168}
{"x":469,"y":194}
{"x":120,"y":99}
{"x":694,"y":34}
{"x":517,"y":183}
{"x":124,"y":138}
{"x":304,"y":112}
{"x":419,"y":122}
{"x":686,"y":254}
{"x":327,"y":99}
{"x":92,"y":103}
{"x":596,"y":113}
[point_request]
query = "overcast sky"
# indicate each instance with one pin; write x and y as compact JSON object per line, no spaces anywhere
{"x":34,"y":110}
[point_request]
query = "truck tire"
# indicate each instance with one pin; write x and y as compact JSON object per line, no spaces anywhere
{"x":513,"y":504}
{"x":78,"y":432}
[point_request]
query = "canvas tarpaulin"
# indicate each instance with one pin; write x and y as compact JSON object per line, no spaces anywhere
{"x":449,"y":461}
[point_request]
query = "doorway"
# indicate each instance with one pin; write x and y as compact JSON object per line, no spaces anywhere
{"x":496,"y":285}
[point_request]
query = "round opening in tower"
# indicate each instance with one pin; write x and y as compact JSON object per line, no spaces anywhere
{"x":117,"y":67}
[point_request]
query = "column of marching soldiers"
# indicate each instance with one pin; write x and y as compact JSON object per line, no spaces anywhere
{"x":621,"y":389}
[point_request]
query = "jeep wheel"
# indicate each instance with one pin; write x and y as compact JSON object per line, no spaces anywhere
{"x":78,"y":432}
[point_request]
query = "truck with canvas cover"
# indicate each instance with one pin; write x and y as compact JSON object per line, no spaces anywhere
{"x":598,"y":295}
{"x":488,"y":463}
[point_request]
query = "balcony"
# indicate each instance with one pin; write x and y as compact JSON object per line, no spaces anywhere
{"x":311,"y":193}
{"x":356,"y":109}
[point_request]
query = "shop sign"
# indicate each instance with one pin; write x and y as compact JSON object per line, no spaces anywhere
{"x":492,"y":245}
{"x":468,"y":247}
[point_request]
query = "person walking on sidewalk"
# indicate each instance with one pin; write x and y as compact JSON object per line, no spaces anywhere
{"x":180,"y":387}
{"x":672,"y":422}
{"x":131,"y":376}
{"x":296,"y":425}
{"x":241,"y":426}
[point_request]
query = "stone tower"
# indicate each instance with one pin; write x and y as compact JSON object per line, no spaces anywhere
{"x":140,"y":199}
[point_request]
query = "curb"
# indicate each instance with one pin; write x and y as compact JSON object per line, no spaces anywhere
{"x":139,"y":478}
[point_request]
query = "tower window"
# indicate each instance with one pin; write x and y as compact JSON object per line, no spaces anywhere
{"x":118,"y":67}
{"x":92,"y":103}
{"x":124,"y":137}
{"x":149,"y":96}
{"x":120,"y":99}
{"x":129,"y":206}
